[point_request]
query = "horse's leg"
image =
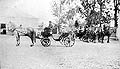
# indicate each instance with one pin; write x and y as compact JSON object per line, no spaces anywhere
{"x":18,"y":39}
{"x":87,"y":38}
{"x":94,"y":39}
{"x":98,"y":34}
{"x":33,"y":38}
{"x":108,"y":39}
{"x":102,"y":38}
{"x":98,"y":38}
{"x":32,"y":42}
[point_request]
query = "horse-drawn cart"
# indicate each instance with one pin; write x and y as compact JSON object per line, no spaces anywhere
{"x":67,"y":39}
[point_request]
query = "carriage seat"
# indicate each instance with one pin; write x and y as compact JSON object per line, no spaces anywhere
{"x":46,"y":32}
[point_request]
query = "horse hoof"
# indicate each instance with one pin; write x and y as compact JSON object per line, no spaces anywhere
{"x":99,"y":41}
{"x":87,"y":41}
{"x":17,"y":44}
{"x":31,"y":45}
{"x":108,"y":42}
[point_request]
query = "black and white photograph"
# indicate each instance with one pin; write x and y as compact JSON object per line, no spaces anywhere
{"x":59,"y":34}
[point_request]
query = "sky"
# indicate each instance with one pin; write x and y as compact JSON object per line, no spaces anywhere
{"x":37,"y":8}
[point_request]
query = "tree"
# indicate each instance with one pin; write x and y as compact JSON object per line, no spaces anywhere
{"x":57,"y":8}
{"x":116,"y":4}
{"x":86,"y":8}
{"x":96,"y":16}
{"x":89,"y":12}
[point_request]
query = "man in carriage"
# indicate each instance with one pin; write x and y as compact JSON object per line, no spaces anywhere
{"x":47,"y":30}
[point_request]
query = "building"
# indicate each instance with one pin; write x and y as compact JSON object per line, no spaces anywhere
{"x":2,"y":28}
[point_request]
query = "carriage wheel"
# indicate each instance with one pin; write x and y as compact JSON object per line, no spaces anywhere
{"x":45,"y":42}
{"x":84,"y":38}
{"x":62,"y":41}
{"x":69,"y":42}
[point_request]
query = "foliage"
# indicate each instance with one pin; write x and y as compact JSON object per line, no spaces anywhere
{"x":70,"y":8}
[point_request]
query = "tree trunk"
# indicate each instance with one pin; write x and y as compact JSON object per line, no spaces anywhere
{"x":115,"y":15}
{"x":100,"y":14}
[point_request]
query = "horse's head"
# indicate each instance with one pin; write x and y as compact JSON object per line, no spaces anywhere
{"x":106,"y":26}
{"x":11,"y":29}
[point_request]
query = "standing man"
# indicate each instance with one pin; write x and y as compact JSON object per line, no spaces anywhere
{"x":50,"y":25}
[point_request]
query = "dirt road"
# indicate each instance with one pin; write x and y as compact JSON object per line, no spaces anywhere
{"x":81,"y":56}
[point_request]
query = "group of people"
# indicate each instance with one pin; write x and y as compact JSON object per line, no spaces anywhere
{"x":92,"y":33}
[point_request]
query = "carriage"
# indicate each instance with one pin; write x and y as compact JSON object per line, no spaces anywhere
{"x":67,"y":39}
